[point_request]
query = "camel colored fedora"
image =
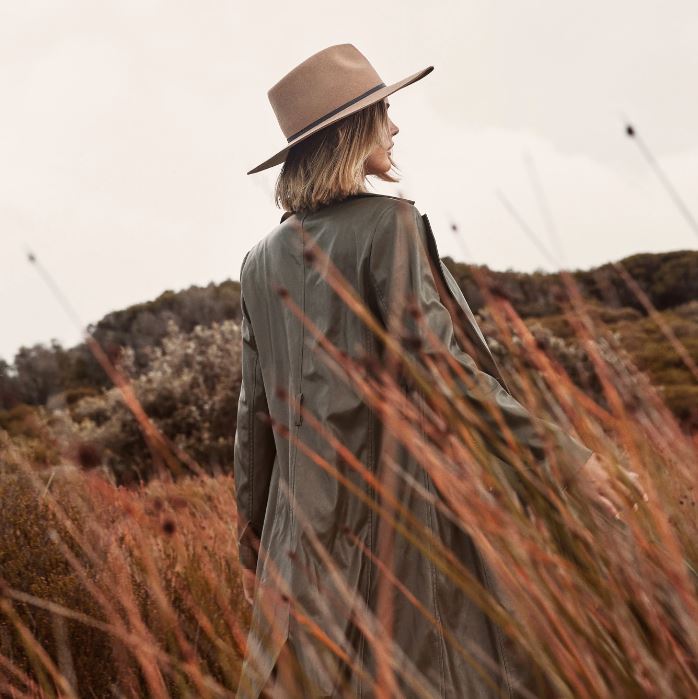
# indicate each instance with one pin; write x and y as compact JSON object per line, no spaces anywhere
{"x":328,"y":86}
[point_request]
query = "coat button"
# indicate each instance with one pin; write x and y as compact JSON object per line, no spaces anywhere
{"x":299,"y":416}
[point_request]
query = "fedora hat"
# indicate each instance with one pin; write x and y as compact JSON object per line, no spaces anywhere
{"x":328,"y":86}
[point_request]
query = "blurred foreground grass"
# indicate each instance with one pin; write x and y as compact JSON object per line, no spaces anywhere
{"x":135,"y":591}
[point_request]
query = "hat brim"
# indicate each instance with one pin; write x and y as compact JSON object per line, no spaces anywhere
{"x":373,"y":97}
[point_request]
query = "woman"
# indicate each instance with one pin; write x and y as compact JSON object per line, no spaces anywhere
{"x":296,"y":520}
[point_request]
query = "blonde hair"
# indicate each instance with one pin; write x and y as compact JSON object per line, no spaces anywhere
{"x":330,"y":165}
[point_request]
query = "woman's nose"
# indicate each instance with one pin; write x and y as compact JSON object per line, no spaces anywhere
{"x":393,"y":128}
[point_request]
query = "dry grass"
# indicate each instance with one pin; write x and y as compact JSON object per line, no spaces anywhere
{"x":119,"y":592}
{"x":135,"y":592}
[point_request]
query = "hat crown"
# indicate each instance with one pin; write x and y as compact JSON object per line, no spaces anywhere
{"x":324,"y":82}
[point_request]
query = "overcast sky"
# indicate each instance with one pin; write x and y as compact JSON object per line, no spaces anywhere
{"x":127,"y":127}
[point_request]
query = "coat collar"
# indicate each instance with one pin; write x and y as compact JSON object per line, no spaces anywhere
{"x":375,"y":194}
{"x":359,"y":195}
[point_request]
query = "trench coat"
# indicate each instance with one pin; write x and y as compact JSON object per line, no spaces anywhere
{"x":287,"y":503}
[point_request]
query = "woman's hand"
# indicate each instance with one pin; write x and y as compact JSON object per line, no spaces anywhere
{"x":596,"y":480}
{"x":249,"y":582}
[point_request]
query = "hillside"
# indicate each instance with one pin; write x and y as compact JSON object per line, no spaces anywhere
{"x":182,"y":351}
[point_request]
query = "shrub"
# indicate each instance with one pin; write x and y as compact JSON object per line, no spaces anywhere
{"x":189,"y":390}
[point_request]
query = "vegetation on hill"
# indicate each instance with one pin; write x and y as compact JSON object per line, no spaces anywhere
{"x":40,"y":371}
{"x":669,"y":279}
{"x":182,"y":353}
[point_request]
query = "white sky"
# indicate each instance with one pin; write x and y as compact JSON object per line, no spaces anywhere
{"x":127,"y":127}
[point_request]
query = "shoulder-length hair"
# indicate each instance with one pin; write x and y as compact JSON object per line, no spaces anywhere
{"x":330,"y":165}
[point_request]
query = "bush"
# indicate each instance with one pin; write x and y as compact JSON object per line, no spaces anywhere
{"x":31,"y":560}
{"x":159,"y":564}
{"x":190,"y":391}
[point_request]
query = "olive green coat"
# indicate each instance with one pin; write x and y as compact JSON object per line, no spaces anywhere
{"x":359,"y":235}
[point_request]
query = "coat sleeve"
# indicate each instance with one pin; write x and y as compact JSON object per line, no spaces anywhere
{"x":400,"y":269}
{"x":254,"y":449}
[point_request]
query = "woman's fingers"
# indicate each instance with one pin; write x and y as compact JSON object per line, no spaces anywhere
{"x":610,"y":509}
{"x":635,"y":478}
{"x":631,"y":487}
{"x":612,"y":490}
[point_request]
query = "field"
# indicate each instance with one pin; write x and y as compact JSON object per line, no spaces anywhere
{"x":118,"y":559}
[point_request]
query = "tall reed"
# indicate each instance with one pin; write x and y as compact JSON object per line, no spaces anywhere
{"x":115,"y":592}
